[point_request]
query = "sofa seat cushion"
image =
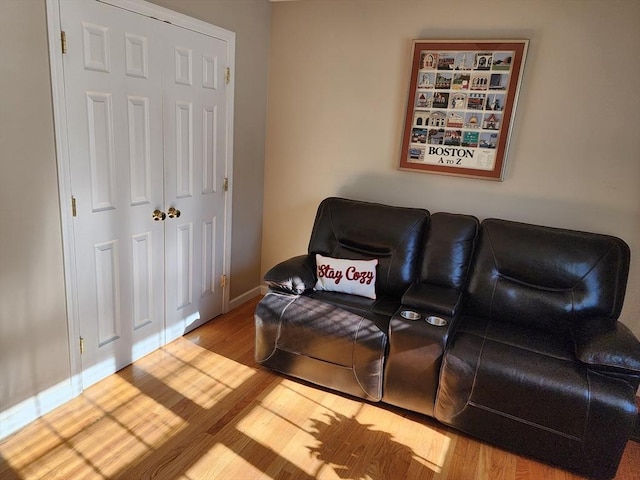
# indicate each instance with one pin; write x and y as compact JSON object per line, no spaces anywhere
{"x":509,"y":384}
{"x":521,"y":373}
{"x":330,"y":333}
{"x":351,"y":342}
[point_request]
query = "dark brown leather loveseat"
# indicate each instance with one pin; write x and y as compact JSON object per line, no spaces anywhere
{"x":504,"y":330}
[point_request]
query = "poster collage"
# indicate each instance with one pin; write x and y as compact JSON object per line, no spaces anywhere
{"x":458,"y":108}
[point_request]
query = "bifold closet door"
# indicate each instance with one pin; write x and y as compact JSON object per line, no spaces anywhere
{"x":147,"y":142}
{"x":113,"y":87}
{"x":195,"y":146}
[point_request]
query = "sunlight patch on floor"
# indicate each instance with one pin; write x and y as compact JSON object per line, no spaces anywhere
{"x":124,"y":425}
{"x":429,"y":446}
{"x":282,"y":419}
{"x":201,"y":376}
{"x":41,"y":434}
{"x":234,"y":466}
{"x":308,"y":421}
{"x":130,"y":415}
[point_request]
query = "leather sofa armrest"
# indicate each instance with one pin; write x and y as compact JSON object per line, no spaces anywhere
{"x":295,"y":275}
{"x":608,"y":348}
{"x":434,"y":298}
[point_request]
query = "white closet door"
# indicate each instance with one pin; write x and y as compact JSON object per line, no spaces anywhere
{"x":195,"y":146}
{"x":113,"y":87}
{"x":148,"y":122}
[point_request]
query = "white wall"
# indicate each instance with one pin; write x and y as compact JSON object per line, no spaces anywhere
{"x":338,"y":83}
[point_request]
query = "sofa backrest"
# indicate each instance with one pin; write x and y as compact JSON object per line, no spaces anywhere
{"x":360,"y":230}
{"x":447,"y":250}
{"x":546,"y":277}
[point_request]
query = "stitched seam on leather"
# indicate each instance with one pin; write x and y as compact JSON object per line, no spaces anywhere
{"x":333,"y":231}
{"x":275,"y":343}
{"x":602,"y":257}
{"x":605,"y":254}
{"x":355,"y":375}
{"x":495,"y":263}
{"x":551,"y":289}
{"x":300,"y":354}
{"x":521,"y":347}
{"x":526,"y":422}
{"x":353,"y":359}
{"x":611,"y":367}
{"x":352,"y":248}
{"x":578,"y":282}
{"x":584,"y":433}
{"x":401,"y":242}
{"x":468,"y":401}
{"x":475,"y":374}
{"x":535,"y":285}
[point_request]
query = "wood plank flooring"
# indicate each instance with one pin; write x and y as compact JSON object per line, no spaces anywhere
{"x":200,"y":408}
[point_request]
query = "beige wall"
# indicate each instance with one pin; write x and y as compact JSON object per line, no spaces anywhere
{"x":34,"y":348}
{"x":34,"y":352}
{"x":338,"y":82}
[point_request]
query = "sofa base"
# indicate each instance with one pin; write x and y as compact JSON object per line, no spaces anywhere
{"x":318,"y":372}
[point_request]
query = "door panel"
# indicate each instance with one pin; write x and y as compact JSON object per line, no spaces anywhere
{"x":113,"y":85}
{"x":195,"y":151}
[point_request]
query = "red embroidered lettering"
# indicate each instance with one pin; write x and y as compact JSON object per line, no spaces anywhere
{"x":362,"y":277}
{"x":325,"y":271}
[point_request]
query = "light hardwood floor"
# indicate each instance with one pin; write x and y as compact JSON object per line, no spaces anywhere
{"x":201,"y":408}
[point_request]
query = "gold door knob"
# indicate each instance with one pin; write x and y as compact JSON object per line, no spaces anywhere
{"x":173,"y":213}
{"x":157,"y":215}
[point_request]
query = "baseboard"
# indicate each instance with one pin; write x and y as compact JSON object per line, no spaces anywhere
{"x":246,"y":296}
{"x":25,"y":412}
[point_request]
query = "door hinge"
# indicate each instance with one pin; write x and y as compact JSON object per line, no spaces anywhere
{"x":223,"y":281}
{"x":227,"y":76}
{"x":225,"y":185}
{"x":81,"y":345}
{"x":63,"y":41}
{"x":74,"y":212}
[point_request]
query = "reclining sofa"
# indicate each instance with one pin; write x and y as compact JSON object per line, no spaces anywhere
{"x":503,"y":330}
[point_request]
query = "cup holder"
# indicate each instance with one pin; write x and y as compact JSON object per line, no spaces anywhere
{"x":437,"y":321}
{"x":410,"y":315}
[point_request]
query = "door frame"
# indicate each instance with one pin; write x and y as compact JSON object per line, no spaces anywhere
{"x":61,"y":133}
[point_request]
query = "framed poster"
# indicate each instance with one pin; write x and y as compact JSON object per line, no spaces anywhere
{"x":461,"y":106}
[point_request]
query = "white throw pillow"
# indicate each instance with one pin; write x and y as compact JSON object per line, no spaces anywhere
{"x":357,"y":277}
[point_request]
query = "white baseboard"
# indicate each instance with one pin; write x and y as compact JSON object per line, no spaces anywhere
{"x":25,"y":412}
{"x":246,"y":296}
